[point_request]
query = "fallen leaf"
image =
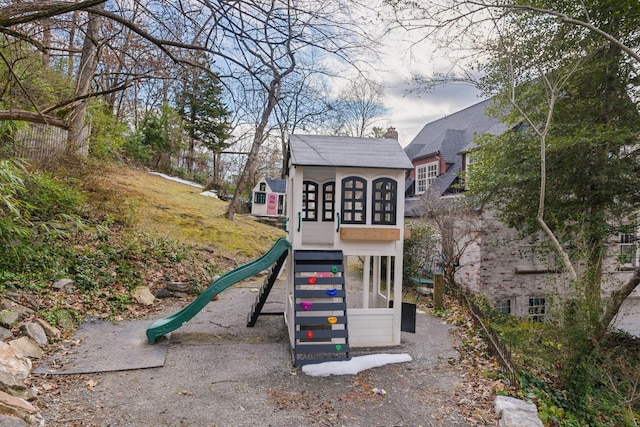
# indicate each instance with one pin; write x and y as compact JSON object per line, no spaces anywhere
{"x":91,"y":384}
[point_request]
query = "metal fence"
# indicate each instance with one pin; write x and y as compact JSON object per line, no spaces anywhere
{"x":498,"y":348}
{"x":42,"y":142}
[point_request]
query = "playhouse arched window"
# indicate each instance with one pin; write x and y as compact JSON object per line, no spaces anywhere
{"x":383,"y":209}
{"x":354,"y":200}
{"x":309,"y":201}
{"x":328,"y":200}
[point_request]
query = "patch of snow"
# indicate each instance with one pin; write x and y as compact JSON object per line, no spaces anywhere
{"x":353,"y":366}
{"x":180,"y":180}
{"x":184,"y":181}
{"x":209,"y":193}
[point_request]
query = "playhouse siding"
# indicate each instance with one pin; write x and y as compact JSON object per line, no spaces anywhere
{"x":371,"y":327}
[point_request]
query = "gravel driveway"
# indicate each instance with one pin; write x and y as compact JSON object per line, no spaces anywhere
{"x":218,"y":372}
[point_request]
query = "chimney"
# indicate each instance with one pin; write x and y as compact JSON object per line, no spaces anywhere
{"x":391,"y":133}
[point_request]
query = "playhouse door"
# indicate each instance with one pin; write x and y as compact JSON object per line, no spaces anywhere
{"x":280,"y":204}
{"x":272,"y":203}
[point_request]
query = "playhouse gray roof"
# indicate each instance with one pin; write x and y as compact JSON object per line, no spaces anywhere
{"x":277,"y":185}
{"x":451,"y":135}
{"x":343,"y":151}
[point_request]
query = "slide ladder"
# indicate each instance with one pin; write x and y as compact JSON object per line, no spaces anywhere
{"x":261,"y":298}
{"x":321,"y":332}
{"x":167,"y":324}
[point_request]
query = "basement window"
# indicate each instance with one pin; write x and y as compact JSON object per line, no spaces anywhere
{"x":503,"y":306}
{"x":537,"y":309}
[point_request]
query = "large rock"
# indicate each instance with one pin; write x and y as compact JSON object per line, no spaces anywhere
{"x":13,"y":362}
{"x":5,"y":334}
{"x":8,"y":318}
{"x":14,"y":368}
{"x":8,"y":304}
{"x":11,"y":405}
{"x":8,"y":421}
{"x":27,"y":347}
{"x":184,"y":287}
{"x":143,"y":295}
{"x":51,"y":331}
{"x":63,"y":284}
{"x":512,"y":412}
{"x":13,"y":386}
{"x":36,"y":332}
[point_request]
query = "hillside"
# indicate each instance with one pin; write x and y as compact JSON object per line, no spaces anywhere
{"x":140,"y":231}
{"x":167,"y":208}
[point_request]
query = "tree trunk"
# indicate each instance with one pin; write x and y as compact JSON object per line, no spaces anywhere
{"x":273,"y":97}
{"x":88,"y":66}
{"x":613,"y":307}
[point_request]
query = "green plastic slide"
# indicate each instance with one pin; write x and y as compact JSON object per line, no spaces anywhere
{"x":170,"y":323}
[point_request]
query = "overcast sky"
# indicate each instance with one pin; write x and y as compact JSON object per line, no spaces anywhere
{"x":410,"y":111}
{"x":409,"y":107}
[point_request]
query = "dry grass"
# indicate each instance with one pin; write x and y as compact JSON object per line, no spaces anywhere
{"x":166,"y":208}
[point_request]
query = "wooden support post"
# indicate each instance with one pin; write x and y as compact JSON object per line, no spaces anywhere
{"x":438,"y":290}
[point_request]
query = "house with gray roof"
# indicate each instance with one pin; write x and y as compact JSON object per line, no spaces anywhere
{"x":521,"y":276}
{"x":440,"y":151}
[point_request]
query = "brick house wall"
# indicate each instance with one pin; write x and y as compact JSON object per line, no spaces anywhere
{"x":503,"y":267}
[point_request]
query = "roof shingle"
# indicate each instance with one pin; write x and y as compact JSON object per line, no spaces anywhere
{"x":342,"y":151}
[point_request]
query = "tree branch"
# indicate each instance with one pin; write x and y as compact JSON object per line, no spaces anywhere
{"x":29,"y":12}
{"x":30,"y":116}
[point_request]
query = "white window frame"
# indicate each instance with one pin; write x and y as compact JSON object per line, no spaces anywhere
{"x":469,"y":159}
{"x":425,"y":175}
{"x":504,"y":305}
{"x":629,"y":241}
{"x":537,"y":308}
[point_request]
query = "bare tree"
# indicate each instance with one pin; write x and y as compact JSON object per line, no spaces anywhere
{"x":265,"y":54}
{"x":537,"y":71}
{"x":457,"y":223}
{"x":358,"y":108}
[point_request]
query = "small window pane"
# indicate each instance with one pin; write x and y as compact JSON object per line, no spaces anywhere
{"x":354,"y":202}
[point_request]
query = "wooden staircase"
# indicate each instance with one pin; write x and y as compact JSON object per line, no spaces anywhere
{"x":321,"y":332}
{"x":261,"y":298}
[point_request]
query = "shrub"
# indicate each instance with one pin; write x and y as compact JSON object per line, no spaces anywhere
{"x":419,"y":249}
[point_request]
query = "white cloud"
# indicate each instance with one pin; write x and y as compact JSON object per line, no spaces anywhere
{"x":410,"y":110}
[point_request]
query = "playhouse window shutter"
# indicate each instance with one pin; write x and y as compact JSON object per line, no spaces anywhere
{"x":309,"y":201}
{"x":354,"y":200}
{"x":328,"y":201}
{"x":384,"y":201}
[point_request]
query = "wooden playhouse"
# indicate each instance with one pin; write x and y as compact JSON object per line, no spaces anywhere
{"x":345,"y":198}
{"x":268,"y":198}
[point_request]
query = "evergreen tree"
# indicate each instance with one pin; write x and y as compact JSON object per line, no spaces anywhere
{"x":205,"y":117}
